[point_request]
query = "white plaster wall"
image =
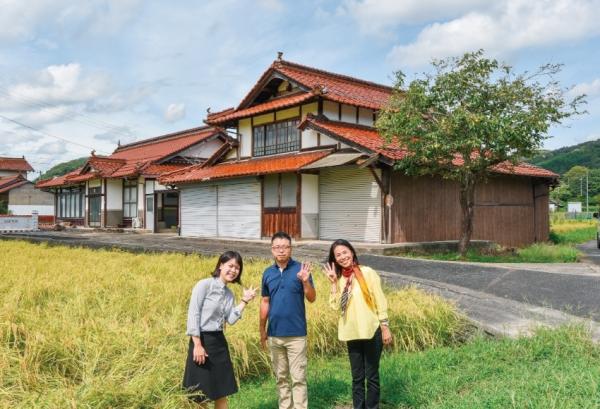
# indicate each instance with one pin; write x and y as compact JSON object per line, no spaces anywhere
{"x":309,"y":138}
{"x":22,"y":210}
{"x":114,"y":196}
{"x":202,"y":149}
{"x":9,"y":173}
{"x":331,"y":110}
{"x":365,"y":116}
{"x":348,"y":113}
{"x":158,"y":186}
{"x":245,"y":131}
{"x":326,"y":140}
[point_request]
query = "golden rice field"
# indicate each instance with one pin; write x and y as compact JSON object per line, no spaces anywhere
{"x":83,"y":328}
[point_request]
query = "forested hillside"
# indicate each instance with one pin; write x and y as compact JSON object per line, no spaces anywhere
{"x":585,"y":154}
{"x":63,"y":168}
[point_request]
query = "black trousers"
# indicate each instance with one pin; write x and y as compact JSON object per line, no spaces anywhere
{"x":364,"y":357}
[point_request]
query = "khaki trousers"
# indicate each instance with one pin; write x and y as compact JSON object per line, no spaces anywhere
{"x":288,"y":356}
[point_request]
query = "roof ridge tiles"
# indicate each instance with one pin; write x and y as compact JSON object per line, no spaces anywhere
{"x":161,"y":138}
{"x":291,"y":64}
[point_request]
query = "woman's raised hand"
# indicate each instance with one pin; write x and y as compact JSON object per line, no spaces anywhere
{"x":329,"y":269}
{"x":249,"y":294}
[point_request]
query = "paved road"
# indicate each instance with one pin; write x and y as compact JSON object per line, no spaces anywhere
{"x":591,"y":251}
{"x":568,"y":291}
{"x":572,"y":293}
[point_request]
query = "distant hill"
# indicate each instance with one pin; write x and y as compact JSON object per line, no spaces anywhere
{"x":561,"y":160}
{"x":62,"y":168}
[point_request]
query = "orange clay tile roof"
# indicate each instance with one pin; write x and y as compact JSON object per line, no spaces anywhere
{"x":56,"y":181}
{"x":363,"y":136}
{"x":331,"y":86}
{"x":16,"y":164}
{"x":138,"y":158}
{"x":271,"y":105}
{"x":11,"y":182}
{"x":153,"y":170}
{"x":250,"y":167}
{"x":370,"y":139}
{"x":162,"y":146}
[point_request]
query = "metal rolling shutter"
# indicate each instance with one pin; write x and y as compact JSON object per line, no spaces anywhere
{"x":349,"y":205}
{"x":198,"y":211}
{"x":239,"y":209}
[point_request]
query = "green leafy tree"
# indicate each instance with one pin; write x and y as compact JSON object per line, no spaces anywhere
{"x":472,"y":113}
{"x":576,"y":179}
{"x":561,"y":194}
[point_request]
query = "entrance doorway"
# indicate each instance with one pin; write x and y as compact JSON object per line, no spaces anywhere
{"x":280,"y":204}
{"x":95,"y":206}
{"x":167,"y":211}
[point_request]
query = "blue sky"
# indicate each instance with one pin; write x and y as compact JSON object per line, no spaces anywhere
{"x":77,"y":76}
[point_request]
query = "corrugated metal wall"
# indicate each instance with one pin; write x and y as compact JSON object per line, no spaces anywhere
{"x":349,"y":205}
{"x":428,"y":209}
{"x":224,"y":209}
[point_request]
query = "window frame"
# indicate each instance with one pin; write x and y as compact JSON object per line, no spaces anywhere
{"x":275,"y":149}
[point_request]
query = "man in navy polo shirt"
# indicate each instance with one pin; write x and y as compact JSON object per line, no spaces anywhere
{"x":285,"y":284}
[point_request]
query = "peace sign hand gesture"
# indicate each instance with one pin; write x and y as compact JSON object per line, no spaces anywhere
{"x":329,"y":269}
{"x":304,"y":273}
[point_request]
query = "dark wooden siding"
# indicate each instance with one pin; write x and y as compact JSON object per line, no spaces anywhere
{"x":509,"y":210}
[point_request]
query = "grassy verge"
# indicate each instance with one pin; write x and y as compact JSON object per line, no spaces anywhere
{"x":536,"y":253}
{"x":554,"y":369}
{"x":573,"y":232}
{"x":106,"y":329}
{"x":564,"y":236}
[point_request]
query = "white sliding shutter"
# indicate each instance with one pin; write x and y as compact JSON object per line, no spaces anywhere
{"x":349,"y":205}
{"x":198,"y":211}
{"x":239,"y":209}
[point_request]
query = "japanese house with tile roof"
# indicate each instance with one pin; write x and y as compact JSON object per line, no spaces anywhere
{"x":309,"y":161}
{"x":17,"y":194}
{"x":121,"y":190}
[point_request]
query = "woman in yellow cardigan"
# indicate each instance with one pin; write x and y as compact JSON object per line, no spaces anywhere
{"x":356,"y":292}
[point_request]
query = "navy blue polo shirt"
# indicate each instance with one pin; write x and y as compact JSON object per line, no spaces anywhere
{"x":287,"y":314}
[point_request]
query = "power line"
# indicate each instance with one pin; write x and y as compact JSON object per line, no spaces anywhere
{"x":73,"y":115}
{"x":47,"y":134}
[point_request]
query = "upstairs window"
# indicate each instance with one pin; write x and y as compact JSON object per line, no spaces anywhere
{"x":278,"y":137}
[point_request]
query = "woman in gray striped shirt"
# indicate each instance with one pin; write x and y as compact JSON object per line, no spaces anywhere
{"x":208,"y":370}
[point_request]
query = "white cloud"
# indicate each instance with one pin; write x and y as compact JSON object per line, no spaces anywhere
{"x":375,"y":16}
{"x":23,"y":20}
{"x":55,"y":85}
{"x":591,"y":89}
{"x":512,"y":25}
{"x":175,"y":112}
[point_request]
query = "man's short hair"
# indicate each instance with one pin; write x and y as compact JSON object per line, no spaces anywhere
{"x":281,"y":235}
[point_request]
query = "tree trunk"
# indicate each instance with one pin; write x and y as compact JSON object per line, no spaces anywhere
{"x":467,"y":202}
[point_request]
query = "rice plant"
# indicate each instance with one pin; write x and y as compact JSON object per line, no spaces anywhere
{"x":83,"y":328}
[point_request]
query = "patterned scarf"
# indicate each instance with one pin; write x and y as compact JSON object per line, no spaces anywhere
{"x":348,"y":273}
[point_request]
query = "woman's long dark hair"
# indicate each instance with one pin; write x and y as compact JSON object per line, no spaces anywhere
{"x":224,"y":258}
{"x":341,"y":242}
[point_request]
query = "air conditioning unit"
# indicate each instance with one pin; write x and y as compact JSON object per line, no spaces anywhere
{"x":136,"y":223}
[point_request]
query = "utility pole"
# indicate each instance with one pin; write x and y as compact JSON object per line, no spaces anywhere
{"x":587,"y":192}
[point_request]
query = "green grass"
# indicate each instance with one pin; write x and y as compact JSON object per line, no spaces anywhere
{"x":564,"y":235}
{"x":554,"y":369}
{"x":536,"y":253}
{"x":573,"y":232}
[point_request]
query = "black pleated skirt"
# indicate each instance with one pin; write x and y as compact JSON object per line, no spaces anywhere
{"x":215,"y":378}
